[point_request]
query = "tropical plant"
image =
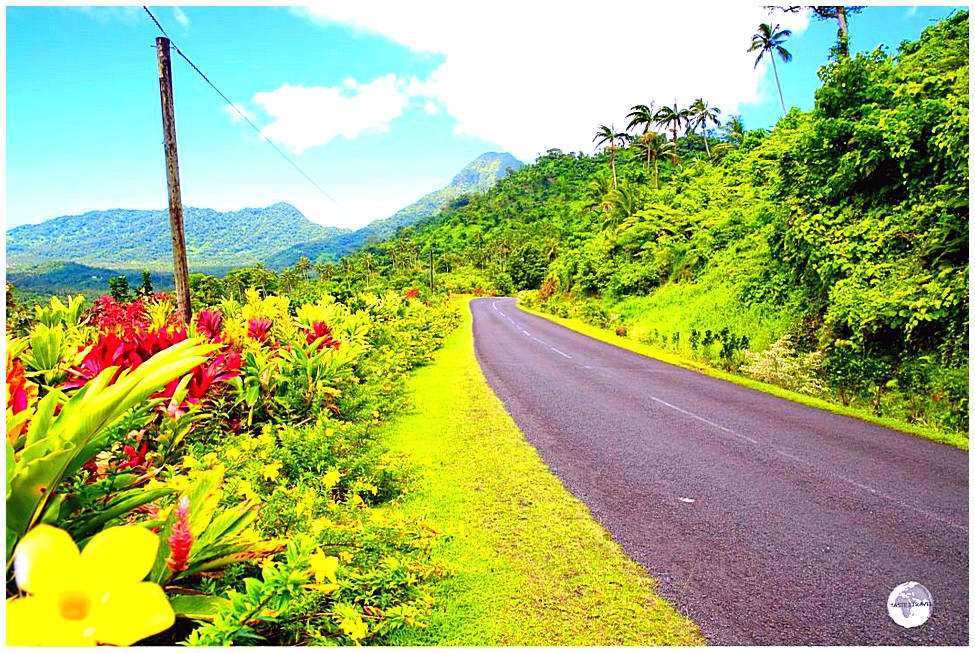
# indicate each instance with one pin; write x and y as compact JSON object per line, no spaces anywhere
{"x":609,"y":136}
{"x":700,"y":115}
{"x":673,"y":118}
{"x":769,"y":40}
{"x":641,"y":115}
{"x":58,"y":443}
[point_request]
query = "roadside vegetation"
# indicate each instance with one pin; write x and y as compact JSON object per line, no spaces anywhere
{"x":235,"y":464}
{"x":529,"y":566}
{"x":828,"y":256}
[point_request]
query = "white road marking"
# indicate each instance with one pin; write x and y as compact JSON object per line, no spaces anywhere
{"x":706,"y":421}
{"x":685,"y":499}
{"x":538,"y":341}
{"x":495,"y":305}
{"x":560,"y":353}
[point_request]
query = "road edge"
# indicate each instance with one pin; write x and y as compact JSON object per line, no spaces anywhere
{"x":606,"y":336}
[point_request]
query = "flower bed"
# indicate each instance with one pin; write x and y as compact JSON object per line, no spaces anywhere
{"x":244,"y":444}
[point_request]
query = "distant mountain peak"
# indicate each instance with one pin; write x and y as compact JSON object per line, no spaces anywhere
{"x":478,"y":176}
{"x":483,"y":172}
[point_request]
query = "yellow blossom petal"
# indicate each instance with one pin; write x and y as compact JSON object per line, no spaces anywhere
{"x":132,"y":612}
{"x":42,"y":559}
{"x":126,"y":553}
{"x":271,"y":471}
{"x":330,"y":478}
{"x":323,"y":566}
{"x":34,"y":621}
{"x":355,"y":629}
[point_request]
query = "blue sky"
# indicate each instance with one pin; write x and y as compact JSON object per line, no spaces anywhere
{"x":379,"y":102}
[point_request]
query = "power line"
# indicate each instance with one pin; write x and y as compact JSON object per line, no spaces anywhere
{"x":241,"y":113}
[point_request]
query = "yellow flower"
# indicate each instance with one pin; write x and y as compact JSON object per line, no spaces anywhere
{"x":190,"y":462}
{"x":210,"y":459}
{"x":329,"y":432}
{"x":320,"y":524}
{"x":231,"y":453}
{"x":355,"y":629}
{"x":87,"y":598}
{"x":345,"y":557}
{"x":323,"y":566}
{"x":331,"y":478}
{"x":271,"y":471}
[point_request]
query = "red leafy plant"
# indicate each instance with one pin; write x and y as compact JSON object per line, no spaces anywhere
{"x":321,"y":330}
{"x":259,"y":329}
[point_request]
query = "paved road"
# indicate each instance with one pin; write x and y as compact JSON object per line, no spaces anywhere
{"x":767,"y":522}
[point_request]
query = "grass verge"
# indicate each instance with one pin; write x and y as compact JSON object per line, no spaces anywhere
{"x":605,"y":335}
{"x":530,"y":566}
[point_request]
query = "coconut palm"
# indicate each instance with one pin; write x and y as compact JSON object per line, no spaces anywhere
{"x":610,"y":135}
{"x":701,"y":115}
{"x":655,"y":146}
{"x":672,"y":118}
{"x":641,"y":114}
{"x":769,"y":40}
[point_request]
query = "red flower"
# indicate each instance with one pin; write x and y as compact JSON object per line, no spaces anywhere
{"x":321,"y":330}
{"x":148,"y":344}
{"x":222,"y":368}
{"x":208,"y":323}
{"x":412,"y":293}
{"x":181,"y":541}
{"x":259,"y":329}
{"x":133,"y":458}
{"x":18,"y":388}
{"x":109,"y":351}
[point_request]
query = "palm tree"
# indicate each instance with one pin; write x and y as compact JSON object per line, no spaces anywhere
{"x":610,"y":135}
{"x":734,"y":129}
{"x":769,"y":40}
{"x":672,"y":118}
{"x":701,"y":115}
{"x":655,"y":145}
{"x":597,"y":194}
{"x":367,"y":261}
{"x":641,"y":114}
{"x":838,"y":13}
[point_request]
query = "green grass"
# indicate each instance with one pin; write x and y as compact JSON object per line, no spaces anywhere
{"x":530,"y":565}
{"x":958,"y":440}
{"x":712,"y":302}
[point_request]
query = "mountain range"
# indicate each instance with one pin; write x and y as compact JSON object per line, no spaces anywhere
{"x":275,"y":236}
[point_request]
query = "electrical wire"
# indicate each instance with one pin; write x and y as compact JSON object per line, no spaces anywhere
{"x":235,"y":108}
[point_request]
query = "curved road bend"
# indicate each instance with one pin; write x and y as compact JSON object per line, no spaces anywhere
{"x":765,"y":521}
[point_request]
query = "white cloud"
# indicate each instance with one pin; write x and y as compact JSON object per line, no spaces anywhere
{"x":238,"y":113}
{"x":181,"y":17}
{"x":535,"y":75}
{"x":311,"y":116}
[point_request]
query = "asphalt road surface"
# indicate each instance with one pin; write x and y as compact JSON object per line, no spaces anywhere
{"x":765,"y":521}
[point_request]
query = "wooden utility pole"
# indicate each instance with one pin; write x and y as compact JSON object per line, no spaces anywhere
{"x":180,"y":268}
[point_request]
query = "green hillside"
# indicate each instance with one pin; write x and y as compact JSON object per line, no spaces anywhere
{"x":829,"y":255}
{"x":134,"y":239}
{"x":476,"y":177}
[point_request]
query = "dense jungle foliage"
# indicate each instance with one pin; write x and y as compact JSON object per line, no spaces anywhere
{"x":829,"y":255}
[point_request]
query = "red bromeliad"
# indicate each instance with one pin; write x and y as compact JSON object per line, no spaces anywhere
{"x":259,"y":329}
{"x":208,"y":324}
{"x":222,"y":368}
{"x":321,"y":330}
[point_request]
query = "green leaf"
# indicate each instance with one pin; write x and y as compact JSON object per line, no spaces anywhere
{"x":202,"y":607}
